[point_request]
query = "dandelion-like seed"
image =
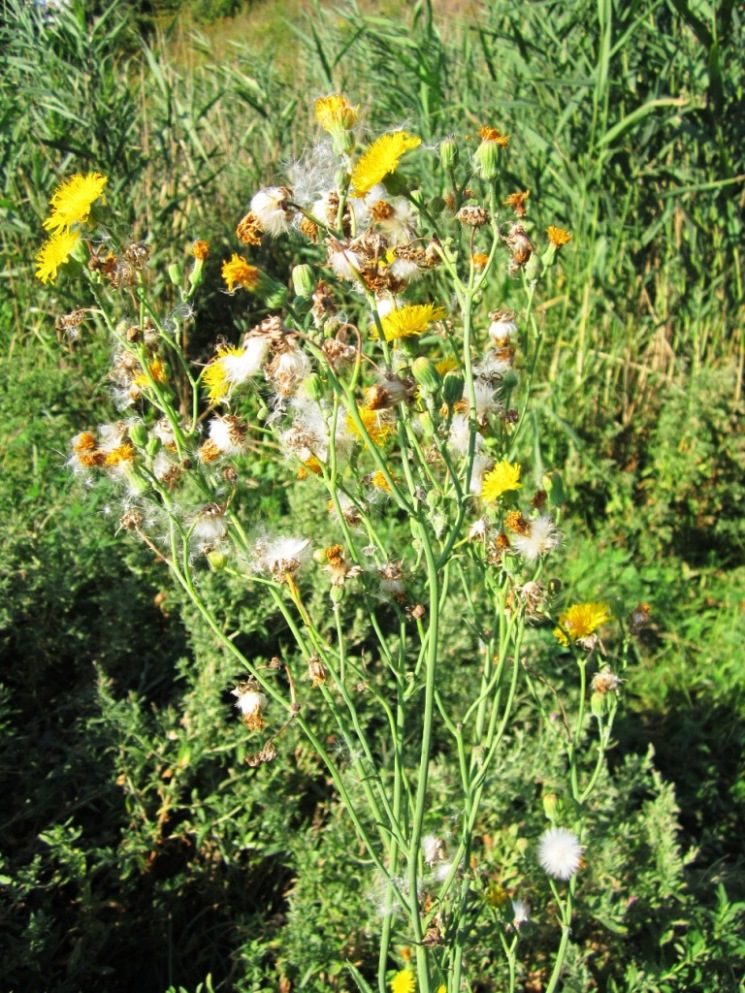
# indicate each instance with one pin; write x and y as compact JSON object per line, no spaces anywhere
{"x":580,"y":621}
{"x":521,"y":911}
{"x":251,"y":703}
{"x":380,"y":160}
{"x":504,"y":477}
{"x":272,"y":209}
{"x":233,"y":366}
{"x":538,"y":540}
{"x":559,"y":853}
{"x":55,"y":253}
{"x":72,"y":201}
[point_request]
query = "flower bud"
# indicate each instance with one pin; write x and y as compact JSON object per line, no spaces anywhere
{"x":553,"y":484}
{"x":175,"y":273}
{"x":452,"y":388}
{"x":313,"y":386}
{"x":217,"y":560}
{"x":303,"y":281}
{"x":533,"y":268}
{"x":426,"y":374}
{"x":449,"y":153}
{"x":138,"y":434}
{"x":153,"y":445}
{"x":436,"y":206}
{"x":550,"y":802}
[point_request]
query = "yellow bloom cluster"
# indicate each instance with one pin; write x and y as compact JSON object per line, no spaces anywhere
{"x":71,"y":204}
{"x":505,"y":476}
{"x":581,"y":620}
{"x":380,"y":160}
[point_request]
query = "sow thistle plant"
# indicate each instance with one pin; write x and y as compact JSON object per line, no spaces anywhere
{"x":376,"y":379}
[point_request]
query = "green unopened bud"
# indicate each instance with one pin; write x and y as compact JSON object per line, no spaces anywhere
{"x":341,"y":179}
{"x":426,"y":374}
{"x":548,"y":256}
{"x":138,"y":485}
{"x":598,"y":705}
{"x":138,"y":434}
{"x":452,"y":388}
{"x":337,"y":594}
{"x":303,"y":281}
{"x":153,"y":446}
{"x":217,"y":560}
{"x":533,"y":268}
{"x":313,"y":386}
{"x":436,"y":206}
{"x":175,"y":273}
{"x":276,"y":296}
{"x":449,"y":154}
{"x":553,"y":484}
{"x":550,"y":803}
{"x":486,"y":160}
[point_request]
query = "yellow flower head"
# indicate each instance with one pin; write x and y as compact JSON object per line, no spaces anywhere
{"x":54,"y":253}
{"x":411,"y":320}
{"x":200,"y":249}
{"x":379,"y":481}
{"x":376,"y":426}
{"x":158,"y":372}
{"x":492,"y":136}
{"x":403,"y":982}
{"x":581,"y":620}
{"x":381,"y":159}
{"x":215,"y":376}
{"x":518,"y":202}
{"x":238,"y":272}
{"x":335,"y":113}
{"x":558,"y":236}
{"x":71,"y":202}
{"x":505,"y":476}
{"x":121,"y":454}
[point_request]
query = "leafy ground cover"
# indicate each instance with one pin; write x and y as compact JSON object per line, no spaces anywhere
{"x":138,"y":848}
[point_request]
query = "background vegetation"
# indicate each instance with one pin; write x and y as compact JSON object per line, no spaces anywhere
{"x":138,"y":849}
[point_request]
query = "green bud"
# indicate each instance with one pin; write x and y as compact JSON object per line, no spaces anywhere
{"x":486,"y":160}
{"x":153,"y":446}
{"x":533,"y":268}
{"x":303,"y":280}
{"x":341,"y":179}
{"x":135,"y":480}
{"x":597,"y":705}
{"x":550,"y":802}
{"x":175,"y":273}
{"x":337,"y":594}
{"x":436,"y":206}
{"x":138,"y":434}
{"x":313,"y":386}
{"x":449,"y":154}
{"x":426,"y":374}
{"x":548,"y":256}
{"x":217,"y":560}
{"x":553,"y":484}
{"x":276,"y":296}
{"x":452,"y":388}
